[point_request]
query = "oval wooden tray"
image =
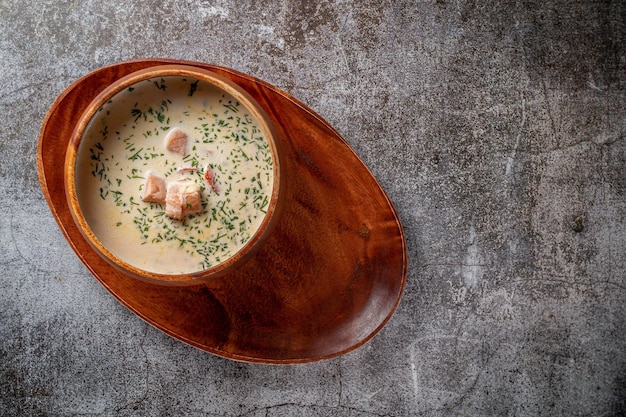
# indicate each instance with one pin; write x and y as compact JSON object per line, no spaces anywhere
{"x":326,"y":281}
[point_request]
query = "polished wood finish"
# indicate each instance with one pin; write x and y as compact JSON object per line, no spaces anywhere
{"x":225,"y":85}
{"x":325,"y":282}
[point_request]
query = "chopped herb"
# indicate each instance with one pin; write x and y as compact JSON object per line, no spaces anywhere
{"x":137,"y":114}
{"x":160,"y":84}
{"x":192,"y":88}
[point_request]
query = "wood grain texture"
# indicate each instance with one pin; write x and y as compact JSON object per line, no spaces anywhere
{"x":325,"y":282}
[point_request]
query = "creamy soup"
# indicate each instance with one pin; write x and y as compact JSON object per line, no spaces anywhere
{"x":227,"y":156}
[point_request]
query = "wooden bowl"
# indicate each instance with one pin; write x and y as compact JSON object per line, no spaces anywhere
{"x":173,"y":175}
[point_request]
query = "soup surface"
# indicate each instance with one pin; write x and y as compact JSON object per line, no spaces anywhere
{"x":226,"y":155}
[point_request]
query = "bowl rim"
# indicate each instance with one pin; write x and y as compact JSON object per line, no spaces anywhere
{"x":274,"y":209}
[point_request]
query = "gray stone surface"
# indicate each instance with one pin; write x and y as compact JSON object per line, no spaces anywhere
{"x":497,"y":129}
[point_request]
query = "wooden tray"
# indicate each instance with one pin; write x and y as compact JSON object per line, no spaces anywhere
{"x":326,"y":281}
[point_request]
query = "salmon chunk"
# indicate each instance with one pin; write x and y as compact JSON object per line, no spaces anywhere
{"x":176,"y":141}
{"x":182,"y":199}
{"x":154,"y":188}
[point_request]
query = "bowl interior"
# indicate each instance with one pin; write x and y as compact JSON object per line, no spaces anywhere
{"x":151,"y":135}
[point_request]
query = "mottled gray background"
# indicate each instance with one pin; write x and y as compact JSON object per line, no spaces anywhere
{"x":498,"y":131}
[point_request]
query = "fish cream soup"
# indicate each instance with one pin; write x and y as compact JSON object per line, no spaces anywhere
{"x":173,"y":175}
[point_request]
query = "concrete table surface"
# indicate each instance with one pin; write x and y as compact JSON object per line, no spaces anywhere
{"x":496,"y":128}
